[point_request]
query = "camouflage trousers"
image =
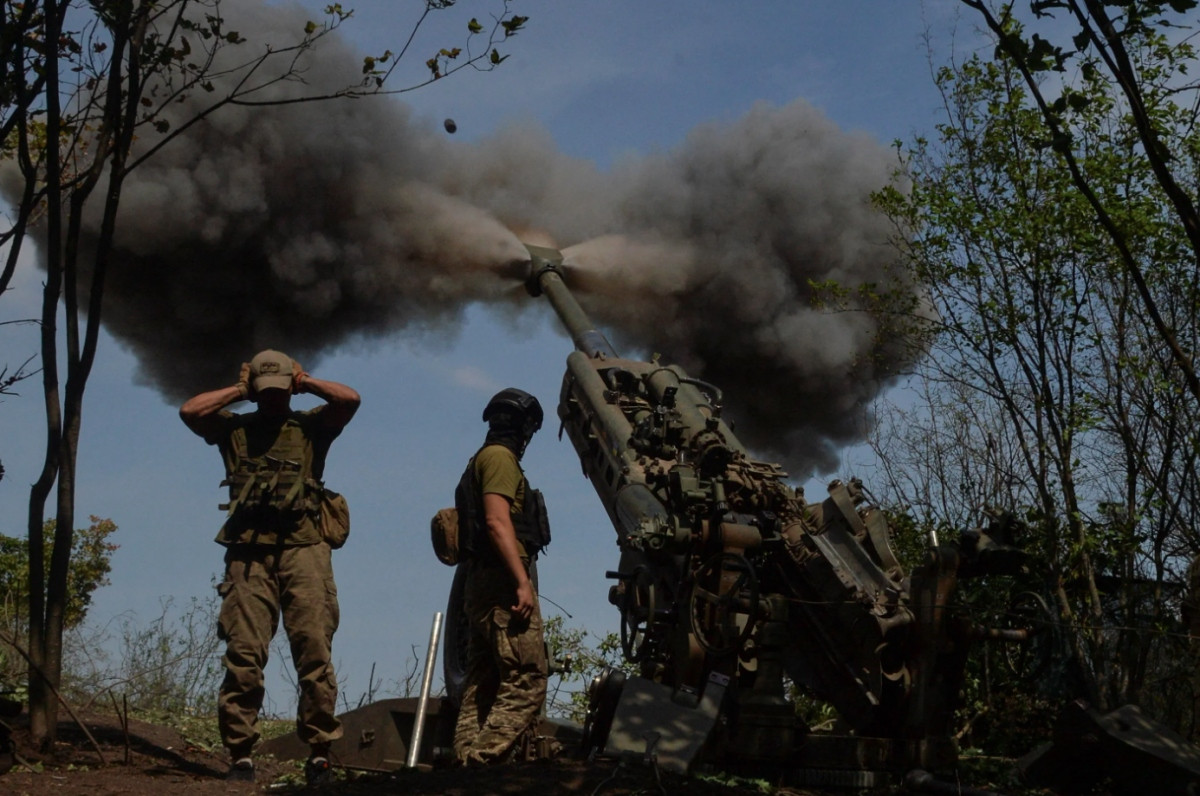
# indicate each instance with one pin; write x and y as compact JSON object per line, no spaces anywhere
{"x":505,"y":684}
{"x":261,"y":583}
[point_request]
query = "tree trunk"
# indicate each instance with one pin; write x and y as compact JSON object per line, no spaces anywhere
{"x":43,"y":708}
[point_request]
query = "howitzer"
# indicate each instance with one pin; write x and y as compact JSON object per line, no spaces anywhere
{"x":729,"y":581}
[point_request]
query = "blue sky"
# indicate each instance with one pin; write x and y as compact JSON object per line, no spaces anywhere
{"x":607,"y":81}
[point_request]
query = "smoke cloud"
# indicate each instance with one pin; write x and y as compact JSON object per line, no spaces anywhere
{"x":302,"y":226}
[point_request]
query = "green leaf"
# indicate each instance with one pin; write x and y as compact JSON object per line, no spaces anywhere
{"x":473,"y":26}
{"x":1042,"y":52}
{"x":511,"y":26}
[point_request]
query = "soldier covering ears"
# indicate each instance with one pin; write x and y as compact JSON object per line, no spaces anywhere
{"x":276,"y":560}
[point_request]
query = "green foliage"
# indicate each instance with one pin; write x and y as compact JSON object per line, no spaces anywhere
{"x":817,"y":715}
{"x":172,"y":665}
{"x":506,"y":25}
{"x":731,"y":781}
{"x":199,"y":730}
{"x":581,"y":657}
{"x":1011,"y":693}
{"x":1033,"y":213}
{"x":91,"y":554}
{"x":993,"y":772}
{"x":513,"y":24}
{"x":90,"y":564}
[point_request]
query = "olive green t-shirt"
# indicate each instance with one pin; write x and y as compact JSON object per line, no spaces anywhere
{"x":498,"y":472}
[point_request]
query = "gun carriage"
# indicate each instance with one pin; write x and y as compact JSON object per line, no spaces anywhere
{"x":730,"y":583}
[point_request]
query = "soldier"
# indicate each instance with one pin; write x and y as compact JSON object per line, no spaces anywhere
{"x":275,"y":556}
{"x":504,"y":527}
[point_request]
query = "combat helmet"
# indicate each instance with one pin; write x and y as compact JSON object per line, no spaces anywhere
{"x":523,"y":407}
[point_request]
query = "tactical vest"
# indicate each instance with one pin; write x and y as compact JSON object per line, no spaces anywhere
{"x":275,"y":488}
{"x":532,"y":525}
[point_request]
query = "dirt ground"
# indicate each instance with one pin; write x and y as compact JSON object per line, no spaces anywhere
{"x":158,"y":760}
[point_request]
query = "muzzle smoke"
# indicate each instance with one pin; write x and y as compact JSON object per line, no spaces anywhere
{"x":303,"y":226}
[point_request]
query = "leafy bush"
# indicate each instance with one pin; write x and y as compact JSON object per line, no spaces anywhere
{"x":578,"y":661}
{"x":91,"y":554}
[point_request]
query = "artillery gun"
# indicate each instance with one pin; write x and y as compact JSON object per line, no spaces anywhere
{"x":730,"y":583}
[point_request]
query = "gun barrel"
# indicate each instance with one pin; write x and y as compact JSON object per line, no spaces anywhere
{"x":545,"y":277}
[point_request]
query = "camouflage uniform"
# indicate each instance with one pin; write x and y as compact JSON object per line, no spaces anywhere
{"x":257,"y":582}
{"x":275,"y":561}
{"x":505,"y":684}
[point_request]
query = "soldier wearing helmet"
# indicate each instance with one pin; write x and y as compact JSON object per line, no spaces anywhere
{"x":276,"y":560}
{"x":504,"y":527}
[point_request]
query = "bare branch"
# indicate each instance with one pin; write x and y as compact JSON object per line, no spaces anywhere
{"x":7,"y":380}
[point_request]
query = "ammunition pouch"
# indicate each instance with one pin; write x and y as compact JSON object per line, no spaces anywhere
{"x":274,"y":489}
{"x":532,"y":524}
{"x":443,"y":529}
{"x":270,"y":488}
{"x":334,"y":516}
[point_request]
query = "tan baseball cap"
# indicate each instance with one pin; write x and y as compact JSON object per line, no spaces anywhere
{"x":271,"y":370}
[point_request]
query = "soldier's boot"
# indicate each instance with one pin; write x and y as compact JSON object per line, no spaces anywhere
{"x":241,"y":770}
{"x":318,"y":770}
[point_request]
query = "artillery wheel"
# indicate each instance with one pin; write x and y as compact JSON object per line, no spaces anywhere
{"x":713,"y":614}
{"x":603,"y":695}
{"x":637,"y":613}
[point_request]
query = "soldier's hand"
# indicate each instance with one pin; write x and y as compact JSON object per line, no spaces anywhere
{"x":525,"y":598}
{"x":247,"y":389}
{"x":298,"y":376}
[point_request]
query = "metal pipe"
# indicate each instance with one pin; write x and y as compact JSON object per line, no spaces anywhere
{"x":419,"y":720}
{"x":545,"y":277}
